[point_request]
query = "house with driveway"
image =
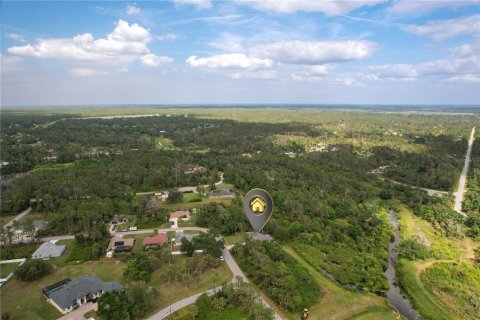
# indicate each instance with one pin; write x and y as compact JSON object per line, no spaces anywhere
{"x":48,"y":250}
{"x":155,"y":241}
{"x":179,"y":214}
{"x":67,"y":294}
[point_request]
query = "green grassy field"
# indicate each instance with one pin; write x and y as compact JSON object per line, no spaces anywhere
{"x":228,"y":313}
{"x":16,"y":293}
{"x":7,"y":268}
{"x":435,"y":300}
{"x":190,"y":205}
{"x":24,"y":300}
{"x":340,"y":303}
{"x":170,"y":293}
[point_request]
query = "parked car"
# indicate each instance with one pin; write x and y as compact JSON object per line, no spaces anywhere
{"x":133,"y":229}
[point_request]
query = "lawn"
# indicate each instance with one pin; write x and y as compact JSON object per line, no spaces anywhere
{"x":24,"y":300}
{"x":340,"y":303}
{"x":228,"y":313}
{"x":190,"y":205}
{"x":170,"y":293}
{"x":235,"y":238}
{"x":428,"y":297}
{"x":19,"y":251}
{"x":7,"y":268}
{"x":6,"y":219}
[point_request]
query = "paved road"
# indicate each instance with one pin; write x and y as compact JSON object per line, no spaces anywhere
{"x":17,"y":217}
{"x":237,"y":272}
{"x":143,"y":231}
{"x":162,"y":314}
{"x":463,"y":177}
{"x":185,"y":189}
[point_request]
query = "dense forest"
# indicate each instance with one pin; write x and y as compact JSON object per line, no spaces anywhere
{"x":330,"y":201}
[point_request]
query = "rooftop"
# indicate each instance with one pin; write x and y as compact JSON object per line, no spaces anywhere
{"x":47,"y":250}
{"x":157,"y":239}
{"x":127,"y":242}
{"x":68,"y":292}
{"x":179,"y":214}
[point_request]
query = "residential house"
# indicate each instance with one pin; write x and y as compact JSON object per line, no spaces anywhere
{"x":221,"y":194}
{"x":67,"y":295}
{"x":195,"y":169}
{"x":120,"y":244}
{"x":121,"y":218}
{"x":48,"y":250}
{"x":179,"y":214}
{"x":162,"y":196}
{"x":155,"y":241}
{"x":179,"y":235}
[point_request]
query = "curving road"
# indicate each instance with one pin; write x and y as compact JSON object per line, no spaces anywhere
{"x":237,"y":272}
{"x":463,"y":177}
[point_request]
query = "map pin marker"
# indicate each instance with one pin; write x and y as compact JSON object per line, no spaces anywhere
{"x":258,"y":206}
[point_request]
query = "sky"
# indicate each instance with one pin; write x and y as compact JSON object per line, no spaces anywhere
{"x":240,"y":52}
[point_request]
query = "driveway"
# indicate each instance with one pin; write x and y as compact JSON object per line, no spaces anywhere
{"x":78,"y":313}
{"x":17,"y":217}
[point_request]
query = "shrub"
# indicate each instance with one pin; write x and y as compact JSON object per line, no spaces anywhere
{"x":412,"y":250}
{"x":33,"y":270}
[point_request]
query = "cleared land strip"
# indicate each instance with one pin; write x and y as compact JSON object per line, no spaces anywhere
{"x":463,"y":177}
{"x":17,"y":217}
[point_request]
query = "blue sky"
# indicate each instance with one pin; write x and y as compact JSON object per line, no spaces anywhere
{"x":201,"y":51}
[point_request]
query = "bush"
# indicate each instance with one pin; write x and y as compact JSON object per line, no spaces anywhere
{"x":412,"y":250}
{"x":33,"y":270}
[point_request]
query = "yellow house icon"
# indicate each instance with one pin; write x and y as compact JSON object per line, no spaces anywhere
{"x":258,"y":205}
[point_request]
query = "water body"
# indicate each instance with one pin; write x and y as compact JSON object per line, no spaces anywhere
{"x":394,"y":296}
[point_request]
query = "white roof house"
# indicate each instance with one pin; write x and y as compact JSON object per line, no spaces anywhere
{"x":48,"y":250}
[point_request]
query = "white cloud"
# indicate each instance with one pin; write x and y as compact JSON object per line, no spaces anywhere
{"x":329,"y":80}
{"x":413,"y":6}
{"x":314,"y":52}
{"x":200,"y":4}
{"x":230,"y":61}
{"x":10,"y":64}
{"x":127,"y":43}
{"x":444,"y":29}
{"x":132,"y":10}
{"x":16,"y":36}
{"x":404,"y":72}
{"x":451,"y":69}
{"x":464,"y":78}
{"x":326,"y":6}
{"x":229,"y":43}
{"x":152,"y":60}
{"x":167,"y":37}
{"x":257,"y":74}
{"x":86,"y":72}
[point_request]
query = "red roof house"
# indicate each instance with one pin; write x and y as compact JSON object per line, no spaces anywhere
{"x":156,"y":240}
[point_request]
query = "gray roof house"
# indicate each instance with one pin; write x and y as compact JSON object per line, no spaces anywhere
{"x":179,"y":235}
{"x":48,"y":250}
{"x":68,"y":294}
{"x":221,"y":194}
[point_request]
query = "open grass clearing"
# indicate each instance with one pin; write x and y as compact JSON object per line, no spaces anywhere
{"x":430,"y":300}
{"x":24,"y":300}
{"x":228,"y":313}
{"x":191,"y":205}
{"x":7,"y":268}
{"x":340,"y":303}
